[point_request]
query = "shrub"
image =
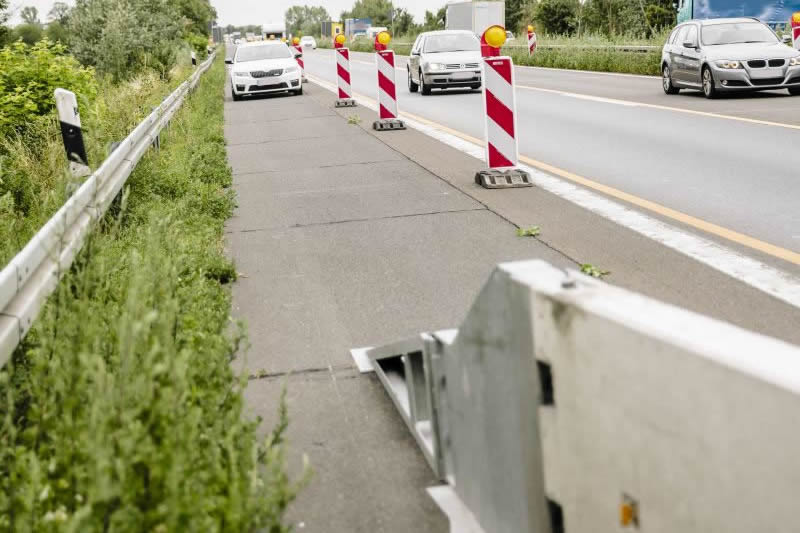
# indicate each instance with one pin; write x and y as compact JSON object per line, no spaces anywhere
{"x":28,"y":77}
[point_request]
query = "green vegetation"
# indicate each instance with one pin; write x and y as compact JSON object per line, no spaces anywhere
{"x":121,"y":411}
{"x":591,"y":270}
{"x":532,"y":231}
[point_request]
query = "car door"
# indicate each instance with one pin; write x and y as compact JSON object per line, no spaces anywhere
{"x":690,"y":55}
{"x":413,"y":59}
{"x":676,"y":55}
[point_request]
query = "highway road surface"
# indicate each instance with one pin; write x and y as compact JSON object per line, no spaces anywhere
{"x":732,"y":162}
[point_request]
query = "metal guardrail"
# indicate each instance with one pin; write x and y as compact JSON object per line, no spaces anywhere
{"x":33,"y":274}
{"x":563,"y":403}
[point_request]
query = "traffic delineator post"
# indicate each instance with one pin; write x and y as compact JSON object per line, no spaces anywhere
{"x":796,"y":30}
{"x":300,"y":62}
{"x":71,"y":132}
{"x":343,"y":77}
{"x":531,"y":40}
{"x":387,"y":88}
{"x":502,"y":146}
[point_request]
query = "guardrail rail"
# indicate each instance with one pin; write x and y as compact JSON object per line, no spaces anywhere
{"x":33,"y":274}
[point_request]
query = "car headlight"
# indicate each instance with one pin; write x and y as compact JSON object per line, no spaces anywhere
{"x":289,"y":70}
{"x":728,"y":64}
{"x":794,"y":61}
{"x":241,"y":73}
{"x":435,"y":66}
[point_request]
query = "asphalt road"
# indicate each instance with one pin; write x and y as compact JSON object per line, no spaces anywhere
{"x":622,"y":131}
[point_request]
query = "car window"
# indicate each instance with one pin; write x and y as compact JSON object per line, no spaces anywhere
{"x":680,"y":37}
{"x":675,"y":32}
{"x":451,"y":42}
{"x":737,"y":32}
{"x":257,"y":53}
{"x":691,"y":35}
{"x":418,"y":43}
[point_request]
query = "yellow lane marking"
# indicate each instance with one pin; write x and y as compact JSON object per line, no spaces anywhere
{"x":697,"y":223}
{"x":664,"y":108}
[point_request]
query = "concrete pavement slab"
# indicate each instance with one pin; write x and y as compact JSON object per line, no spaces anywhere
{"x":288,"y":129}
{"x":338,"y":194}
{"x":292,"y":155}
{"x":320,"y":290}
{"x":268,"y":109}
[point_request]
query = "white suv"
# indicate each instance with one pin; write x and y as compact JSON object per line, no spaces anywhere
{"x":308,"y":41}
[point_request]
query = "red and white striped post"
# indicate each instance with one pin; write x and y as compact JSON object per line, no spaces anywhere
{"x":387,"y":89}
{"x":531,"y":40}
{"x":796,"y":30}
{"x":502,"y":147}
{"x":300,"y":62}
{"x":343,"y":73}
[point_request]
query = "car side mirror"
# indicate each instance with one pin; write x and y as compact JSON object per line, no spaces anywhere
{"x":415,"y":52}
{"x":298,"y":54}
{"x":787,"y":39}
{"x":690,"y":44}
{"x":229,"y":61}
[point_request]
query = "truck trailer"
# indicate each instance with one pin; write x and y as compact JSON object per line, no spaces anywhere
{"x":273,"y":31}
{"x":475,"y":16}
{"x":772,"y":12}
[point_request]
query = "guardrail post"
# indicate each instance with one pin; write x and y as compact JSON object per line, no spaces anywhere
{"x":70,"y":119}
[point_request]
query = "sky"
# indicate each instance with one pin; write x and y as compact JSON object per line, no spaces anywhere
{"x":242,"y":12}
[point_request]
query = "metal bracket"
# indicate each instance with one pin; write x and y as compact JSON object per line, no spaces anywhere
{"x":388,"y":124}
{"x":345,"y":102}
{"x":503,"y":179}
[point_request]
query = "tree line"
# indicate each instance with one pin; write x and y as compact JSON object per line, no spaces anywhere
{"x":557,"y":17}
{"x":116,"y":37}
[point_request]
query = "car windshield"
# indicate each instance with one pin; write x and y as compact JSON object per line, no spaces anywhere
{"x":257,"y":53}
{"x":451,"y":42}
{"x":737,"y":32}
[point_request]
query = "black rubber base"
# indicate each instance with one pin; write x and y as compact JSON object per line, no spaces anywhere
{"x":503,"y":179}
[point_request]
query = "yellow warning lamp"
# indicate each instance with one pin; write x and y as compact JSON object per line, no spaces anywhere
{"x":495,"y":36}
{"x":296,"y":41}
{"x":283,"y":39}
{"x":340,"y":39}
{"x":384,"y":38}
{"x":530,"y":28}
{"x":796,"y":17}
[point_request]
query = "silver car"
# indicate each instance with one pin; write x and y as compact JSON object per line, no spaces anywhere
{"x":443,"y":60}
{"x":733,"y":54}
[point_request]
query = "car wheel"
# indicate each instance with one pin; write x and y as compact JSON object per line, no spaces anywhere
{"x":794,"y":91}
{"x":666,"y":81}
{"x":412,"y":87}
{"x":236,"y":97}
{"x":708,"y":84}
{"x":299,"y":91}
{"x":423,"y":88}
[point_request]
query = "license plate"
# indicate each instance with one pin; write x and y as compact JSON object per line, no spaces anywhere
{"x":769,"y":72}
{"x":462,"y":75}
{"x":262,"y":82}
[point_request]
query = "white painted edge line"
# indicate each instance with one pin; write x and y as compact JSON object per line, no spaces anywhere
{"x":759,"y":275}
{"x":460,"y":517}
{"x":362,"y":360}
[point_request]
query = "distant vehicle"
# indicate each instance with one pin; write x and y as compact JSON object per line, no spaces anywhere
{"x":475,"y":16}
{"x":275,"y":31}
{"x":772,"y":12}
{"x":372,"y":31}
{"x":443,"y":60}
{"x":735,"y":54}
{"x":358,"y":35}
{"x":264,"y":67}
{"x":238,"y":41}
{"x":509,"y":36}
{"x":307,"y":41}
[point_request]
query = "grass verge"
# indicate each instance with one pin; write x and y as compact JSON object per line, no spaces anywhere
{"x":121,"y":411}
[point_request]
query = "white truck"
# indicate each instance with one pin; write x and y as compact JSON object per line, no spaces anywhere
{"x":273,"y":31}
{"x":475,"y":16}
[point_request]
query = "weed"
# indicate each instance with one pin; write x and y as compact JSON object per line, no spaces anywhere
{"x":354,"y":119}
{"x":532,"y":231}
{"x":591,"y":270}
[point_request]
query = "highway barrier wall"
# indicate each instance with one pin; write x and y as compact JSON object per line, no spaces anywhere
{"x":565,"y":404}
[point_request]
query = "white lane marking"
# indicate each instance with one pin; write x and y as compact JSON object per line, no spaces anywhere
{"x":599,"y":99}
{"x":752,"y":272}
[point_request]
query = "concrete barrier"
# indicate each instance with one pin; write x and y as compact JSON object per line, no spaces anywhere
{"x":565,"y":404}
